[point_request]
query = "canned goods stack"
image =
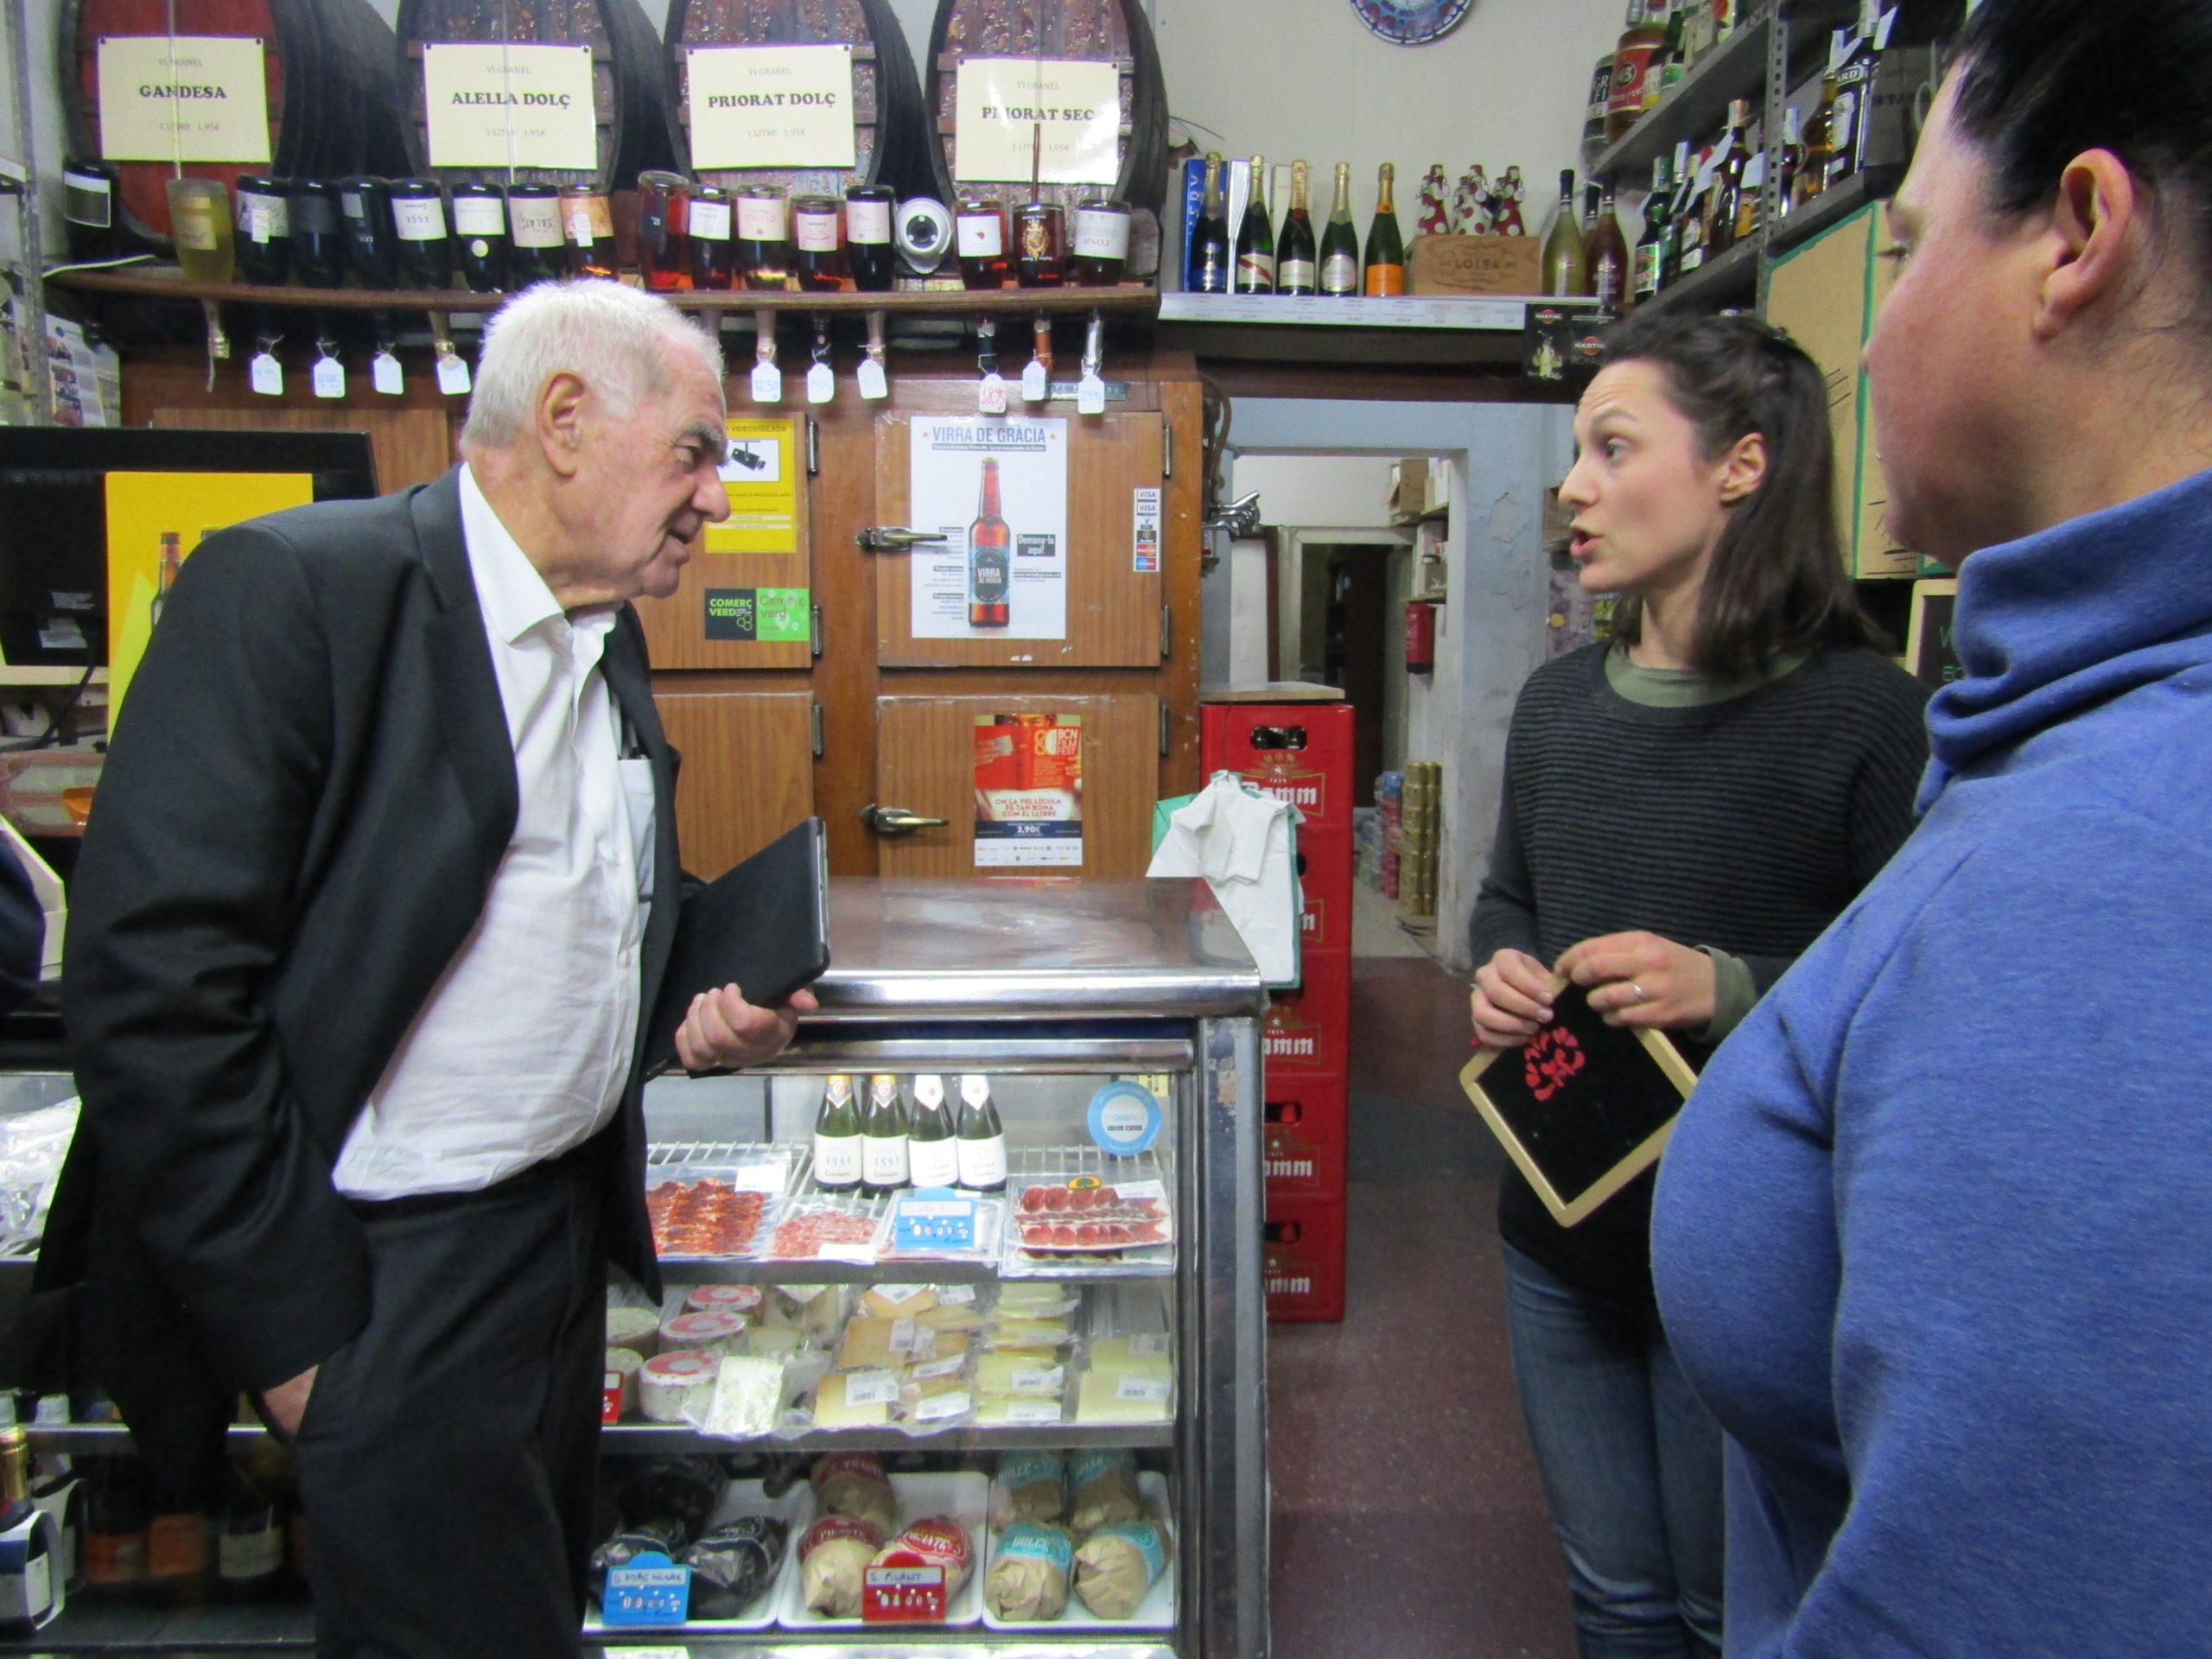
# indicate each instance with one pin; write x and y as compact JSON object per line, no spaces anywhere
{"x":1420,"y":834}
{"x":1389,"y":791}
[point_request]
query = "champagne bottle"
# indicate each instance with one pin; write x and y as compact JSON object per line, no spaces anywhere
{"x":837,"y":1138}
{"x":250,"y":1546}
{"x":932,"y":1153}
{"x":1339,"y":241}
{"x":1256,"y":238}
{"x":1564,"y":274}
{"x":883,"y":1139}
{"x":27,"y":1561}
{"x":1210,"y":255}
{"x":1607,"y":255}
{"x":989,"y":557}
{"x":982,"y":1139}
{"x":1297,"y":271}
{"x":1384,"y":272}
{"x":1651,"y":248}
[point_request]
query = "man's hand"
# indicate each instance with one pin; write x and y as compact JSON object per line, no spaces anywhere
{"x":723,"y":1030}
{"x":1512,"y":997}
{"x":287,"y":1404}
{"x":1640,"y":979}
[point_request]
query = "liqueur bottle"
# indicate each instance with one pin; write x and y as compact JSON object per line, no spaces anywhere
{"x":1383,"y":271}
{"x":1642,"y":36}
{"x":1605,"y":254}
{"x":1728,"y":189}
{"x":1651,"y":248}
{"x":990,"y":558}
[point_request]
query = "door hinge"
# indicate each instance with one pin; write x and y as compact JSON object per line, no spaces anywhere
{"x":814,"y":638}
{"x":1167,"y":631}
{"x":815,"y":717}
{"x":1167,"y":451}
{"x":813,"y":449}
{"x":1166,"y":717}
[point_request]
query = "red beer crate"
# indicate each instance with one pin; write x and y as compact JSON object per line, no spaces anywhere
{"x":1307,"y":1032}
{"x":1303,"y":1259}
{"x":1325,"y":880}
{"x":1303,"y":1143}
{"x":1297,"y":752}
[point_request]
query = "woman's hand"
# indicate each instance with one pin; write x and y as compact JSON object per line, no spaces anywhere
{"x":1640,"y":979}
{"x":1512,"y":997}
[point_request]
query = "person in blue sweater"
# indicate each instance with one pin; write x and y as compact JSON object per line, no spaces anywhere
{"x":1934,"y":1236}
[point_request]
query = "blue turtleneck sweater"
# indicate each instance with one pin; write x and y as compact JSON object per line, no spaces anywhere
{"x":1934,"y":1236}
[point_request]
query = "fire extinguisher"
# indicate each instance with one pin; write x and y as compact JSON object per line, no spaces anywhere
{"x":1420,"y":636}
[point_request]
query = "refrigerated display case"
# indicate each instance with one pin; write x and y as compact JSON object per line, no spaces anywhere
{"x":1104,"y":1014}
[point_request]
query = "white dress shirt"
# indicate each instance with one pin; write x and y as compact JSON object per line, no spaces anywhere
{"x":523,"y":1047}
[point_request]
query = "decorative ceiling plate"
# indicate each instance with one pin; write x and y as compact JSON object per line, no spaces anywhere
{"x":1411,"y":22}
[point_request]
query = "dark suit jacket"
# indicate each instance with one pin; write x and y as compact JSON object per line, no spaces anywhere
{"x":310,"y":788}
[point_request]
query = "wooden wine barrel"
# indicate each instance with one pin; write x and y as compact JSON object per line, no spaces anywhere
{"x":891,"y":141}
{"x":1111,"y":30}
{"x":630,"y":95}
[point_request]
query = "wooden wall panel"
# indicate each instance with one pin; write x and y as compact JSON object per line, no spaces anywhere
{"x":675,"y":626}
{"x":748,"y":770}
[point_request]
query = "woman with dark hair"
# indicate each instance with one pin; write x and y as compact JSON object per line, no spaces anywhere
{"x":1686,"y":807}
{"x":1934,"y":1237}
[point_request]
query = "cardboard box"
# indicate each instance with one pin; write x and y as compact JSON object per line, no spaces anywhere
{"x":1825,"y":293}
{"x":1302,"y":1259}
{"x":1304,"y":1139}
{"x":1475,"y":264}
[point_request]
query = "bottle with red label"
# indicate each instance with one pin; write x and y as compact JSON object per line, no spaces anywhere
{"x":1641,"y":43}
{"x":979,"y":234}
{"x":763,"y":236}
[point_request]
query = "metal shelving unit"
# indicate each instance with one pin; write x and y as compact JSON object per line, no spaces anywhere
{"x":21,"y":276}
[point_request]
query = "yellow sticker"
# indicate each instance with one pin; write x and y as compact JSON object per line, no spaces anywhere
{"x":760,"y":476}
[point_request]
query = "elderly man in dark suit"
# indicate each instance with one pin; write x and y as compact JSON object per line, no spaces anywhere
{"x":383,"y":875}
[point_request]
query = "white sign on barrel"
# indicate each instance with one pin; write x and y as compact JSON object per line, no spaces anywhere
{"x":771,"y":107}
{"x":500,"y":105}
{"x":183,"y":97}
{"x":1063,"y":115}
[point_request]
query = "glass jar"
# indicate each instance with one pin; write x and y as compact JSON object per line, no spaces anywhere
{"x":869,"y":254}
{"x":711,"y":221}
{"x":663,"y":231}
{"x":979,"y":237}
{"x":536,"y":242}
{"x":418,"y":223}
{"x":588,"y":223}
{"x":1101,"y":242}
{"x":763,"y":236}
{"x":480,"y":233}
{"x":1040,"y":244}
{"x":818,"y":249}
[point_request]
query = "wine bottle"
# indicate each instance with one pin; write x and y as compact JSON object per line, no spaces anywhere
{"x":1210,"y":255}
{"x":318,"y":251}
{"x":1792,"y":161}
{"x":815,"y":222}
{"x":883,"y":1139}
{"x":982,"y":1139}
{"x":364,"y":206}
{"x":1651,"y":247}
{"x":250,"y":1544}
{"x":707,"y":224}
{"x":1606,"y":255}
{"x":990,"y":547}
{"x":265,"y":229}
{"x":869,"y":248}
{"x":1674,"y":56}
{"x":1564,"y":273}
{"x":979,"y":233}
{"x":479,"y":229}
{"x":1383,"y":271}
{"x":200,"y":213}
{"x":115,"y":1529}
{"x":837,"y":1138}
{"x":418,"y":219}
{"x":664,"y":230}
{"x":1296,"y":270}
{"x":1854,"y":77}
{"x":763,"y":236}
{"x":27,"y":1555}
{"x":179,"y":1546}
{"x":1256,"y":240}
{"x":536,"y":246}
{"x":932,"y":1153}
{"x":1340,"y":242}
{"x":89,"y":192}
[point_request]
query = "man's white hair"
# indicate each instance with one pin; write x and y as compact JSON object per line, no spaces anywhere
{"x":610,"y":336}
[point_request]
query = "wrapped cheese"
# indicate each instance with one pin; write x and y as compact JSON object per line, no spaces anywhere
{"x":1028,"y":1579}
{"x":855,"y":1399}
{"x":748,"y":1393}
{"x":773,"y":1341}
{"x":939,"y":1541}
{"x":1103,"y":1487}
{"x":1124,"y":1397}
{"x":625,"y":1364}
{"x":636,"y":1329}
{"x":1037,"y":1299}
{"x":899,"y":1301}
{"x":1011,"y":1333}
{"x":664,"y":1537}
{"x":1149,"y":1355}
{"x":671,"y":1383}
{"x":956,"y":1310}
{"x":1029,"y":1486}
{"x":744,"y":1300}
{"x":872,"y":1344}
{"x":1021,"y":1371}
{"x":853,"y":1482}
{"x":734,"y":1564}
{"x":1117,"y":1564}
{"x":832,"y":1557}
{"x":702,"y":1333}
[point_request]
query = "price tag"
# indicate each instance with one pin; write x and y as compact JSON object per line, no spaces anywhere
{"x":384,"y":374}
{"x":1037,"y":1379}
{"x":767,"y":384}
{"x":935,"y":1225}
{"x":266,"y":375}
{"x":874,"y":383}
{"x":937,"y":1367}
{"x":956,"y":1295}
{"x":821,"y":384}
{"x":1149,"y":1390}
{"x":904,"y":1595}
{"x":1090,"y":396}
{"x":649,"y":1590}
{"x":990,"y":395}
{"x":861,"y":1254}
{"x":452,"y":375}
{"x":1152,"y":1346}
{"x":1036,"y":382}
{"x":937,"y":1407}
{"x":1035,"y":1411}
{"x":904,"y":1335}
{"x":329,"y":377}
{"x":872,"y":1389}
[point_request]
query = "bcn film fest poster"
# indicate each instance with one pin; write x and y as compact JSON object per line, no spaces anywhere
{"x":1029,"y":792}
{"x":945,"y":471}
{"x":154,"y":521}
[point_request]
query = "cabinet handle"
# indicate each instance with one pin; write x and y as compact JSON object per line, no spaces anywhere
{"x":893,"y":538}
{"x":893,"y":821}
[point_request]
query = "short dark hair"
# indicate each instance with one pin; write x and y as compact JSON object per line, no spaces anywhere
{"x":1776,"y":581}
{"x":2040,"y":81}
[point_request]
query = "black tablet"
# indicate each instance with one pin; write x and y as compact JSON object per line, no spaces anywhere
{"x":763,"y":927}
{"x":1584,"y":1108}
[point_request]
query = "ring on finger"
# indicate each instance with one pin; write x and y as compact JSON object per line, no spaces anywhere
{"x":1642,"y":995}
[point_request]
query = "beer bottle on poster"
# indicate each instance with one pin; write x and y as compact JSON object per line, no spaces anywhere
{"x":837,"y":1138}
{"x":1296,"y":270}
{"x":1209,"y":255}
{"x":1340,"y":242}
{"x":883,"y":1139}
{"x":932,"y":1153}
{"x":1383,"y":271}
{"x":982,"y":1139}
{"x":1256,"y":238}
{"x":990,"y":558}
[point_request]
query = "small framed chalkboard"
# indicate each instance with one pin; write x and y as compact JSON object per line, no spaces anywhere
{"x":1931,"y":653}
{"x":1584,"y":1108}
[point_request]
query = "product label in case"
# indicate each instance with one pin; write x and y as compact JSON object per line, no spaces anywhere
{"x":938,"y":1406}
{"x":1101,"y":236}
{"x":837,"y":1160}
{"x":867,"y":221}
{"x":1149,"y":1390}
{"x":709,"y":220}
{"x":1032,"y":1411}
{"x":760,"y":219}
{"x":934,"y":1163}
{"x":266,"y":218}
{"x":1036,"y":1379}
{"x":419,"y":218}
{"x":817,"y":232}
{"x":905,"y":1335}
{"x":479,"y":216}
{"x":883,"y":1159}
{"x":650,"y":1590}
{"x":980,"y":236}
{"x":1154,"y":1345}
{"x":982,"y":1163}
{"x":872,"y":1389}
{"x":537,"y":222}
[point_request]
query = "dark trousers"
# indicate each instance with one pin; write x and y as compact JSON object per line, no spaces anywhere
{"x":447,"y":1454}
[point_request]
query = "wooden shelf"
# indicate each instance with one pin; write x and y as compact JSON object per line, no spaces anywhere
{"x":1732,"y":279}
{"x":1694,"y":110}
{"x":166,"y":283}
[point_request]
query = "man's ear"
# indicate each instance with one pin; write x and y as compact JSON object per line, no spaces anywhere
{"x":561,"y":422}
{"x":1743,"y":470}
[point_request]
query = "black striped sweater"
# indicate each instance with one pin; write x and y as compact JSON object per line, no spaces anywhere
{"x":1745,"y":824}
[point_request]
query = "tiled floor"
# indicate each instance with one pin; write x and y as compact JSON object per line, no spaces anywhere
{"x":1407,"y":1520}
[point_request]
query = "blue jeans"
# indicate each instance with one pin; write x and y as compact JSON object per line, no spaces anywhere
{"x":1630,"y":1463}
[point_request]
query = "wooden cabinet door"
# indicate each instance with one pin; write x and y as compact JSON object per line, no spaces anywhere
{"x":1111,"y":583}
{"x":748,"y":773}
{"x":745,"y":598}
{"x":925,"y":762}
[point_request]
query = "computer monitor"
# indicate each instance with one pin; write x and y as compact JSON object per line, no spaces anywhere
{"x":54,"y":492}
